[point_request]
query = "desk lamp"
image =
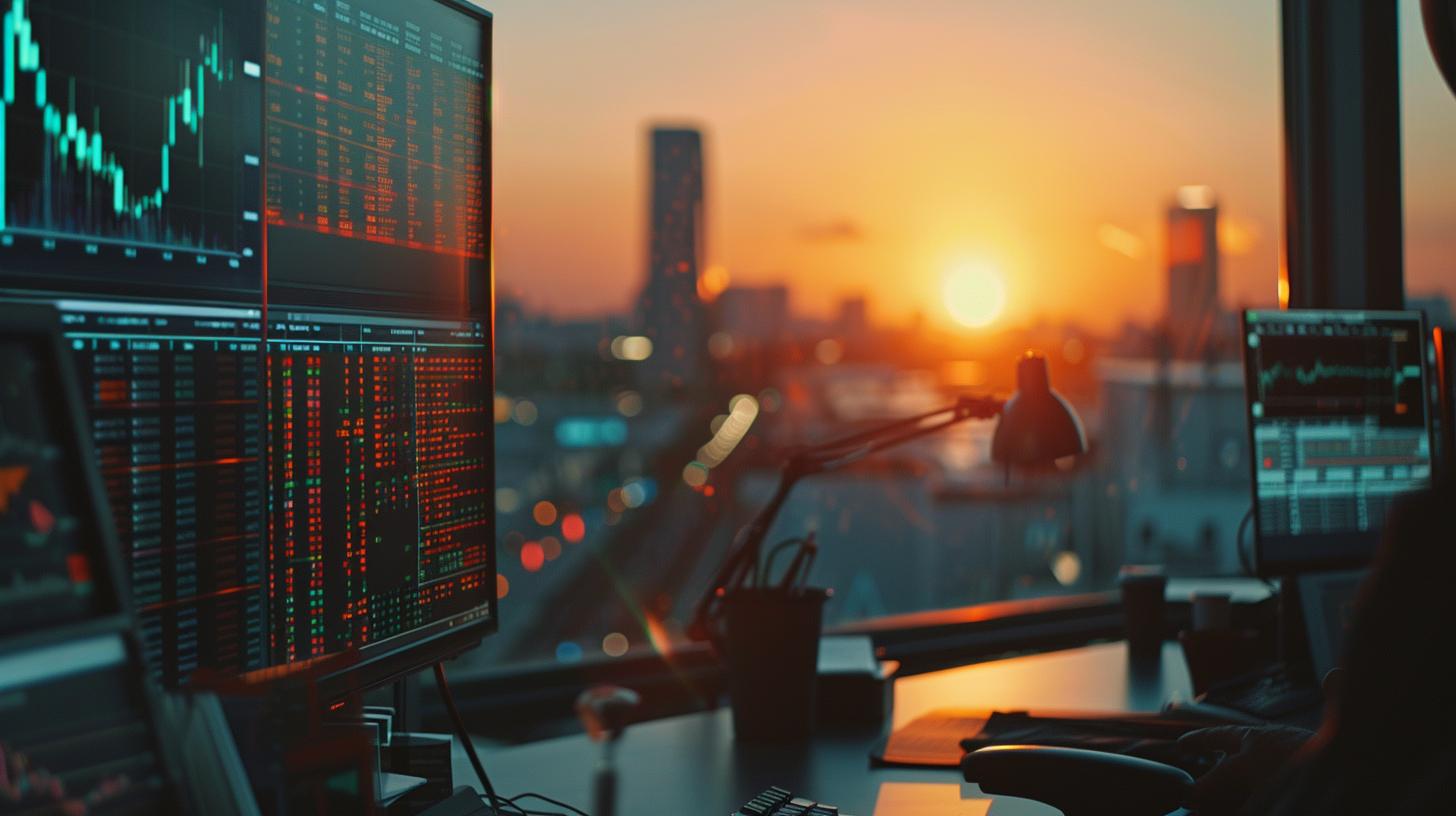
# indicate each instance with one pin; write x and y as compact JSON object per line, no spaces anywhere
{"x":1037,"y":427}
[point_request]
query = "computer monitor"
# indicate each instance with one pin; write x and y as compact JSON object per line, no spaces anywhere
{"x":381,"y":474}
{"x":1340,"y":427}
{"x":57,"y":549}
{"x":131,"y":198}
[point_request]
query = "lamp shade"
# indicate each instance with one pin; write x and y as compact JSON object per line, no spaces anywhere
{"x":1037,"y":426}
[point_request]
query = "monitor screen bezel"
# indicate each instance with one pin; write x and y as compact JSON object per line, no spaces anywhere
{"x":1327,"y":551}
{"x":380,"y":663}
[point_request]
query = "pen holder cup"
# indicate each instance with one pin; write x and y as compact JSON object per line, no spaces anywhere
{"x":772,"y":647}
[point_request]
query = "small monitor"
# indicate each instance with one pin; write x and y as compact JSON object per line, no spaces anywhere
{"x":80,"y":732}
{"x":55,"y":541}
{"x":1340,"y":428}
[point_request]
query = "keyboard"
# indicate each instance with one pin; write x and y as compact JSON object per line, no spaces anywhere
{"x":779,"y":802}
{"x":1271,"y":695}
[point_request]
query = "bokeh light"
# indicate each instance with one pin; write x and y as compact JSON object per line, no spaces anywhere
{"x":615,"y":644}
{"x":533,"y":557}
{"x":573,"y":529}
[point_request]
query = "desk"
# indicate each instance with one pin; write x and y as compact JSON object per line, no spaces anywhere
{"x":691,"y":764}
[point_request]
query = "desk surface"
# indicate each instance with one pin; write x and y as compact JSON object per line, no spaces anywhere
{"x":691,"y":764}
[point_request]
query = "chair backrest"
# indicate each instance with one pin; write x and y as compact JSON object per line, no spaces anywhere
{"x":1440,"y":17}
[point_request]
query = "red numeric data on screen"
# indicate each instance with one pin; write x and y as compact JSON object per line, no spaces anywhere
{"x":377,"y":139}
{"x":380,"y":504}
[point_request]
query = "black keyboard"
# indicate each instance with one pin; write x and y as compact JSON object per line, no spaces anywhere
{"x":1272,"y":695}
{"x":779,"y":802}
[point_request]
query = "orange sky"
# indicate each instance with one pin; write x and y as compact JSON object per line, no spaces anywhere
{"x":867,"y":147}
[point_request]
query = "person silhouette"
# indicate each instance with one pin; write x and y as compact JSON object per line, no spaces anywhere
{"x":1385,"y":744}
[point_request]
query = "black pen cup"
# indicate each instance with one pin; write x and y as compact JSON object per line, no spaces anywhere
{"x":772,"y":645}
{"x":1145,"y":609}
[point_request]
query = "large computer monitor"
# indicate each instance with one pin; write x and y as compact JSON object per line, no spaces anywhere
{"x":381,"y":463}
{"x":131,"y":200}
{"x":1340,"y":427}
{"x":160,"y":162}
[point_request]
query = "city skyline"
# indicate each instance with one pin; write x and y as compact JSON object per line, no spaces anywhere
{"x":974,"y":153}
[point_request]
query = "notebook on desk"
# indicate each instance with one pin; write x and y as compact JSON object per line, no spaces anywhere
{"x":939,"y":739}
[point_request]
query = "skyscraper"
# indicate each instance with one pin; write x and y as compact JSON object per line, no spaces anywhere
{"x":670,"y":311}
{"x":1193,"y":312}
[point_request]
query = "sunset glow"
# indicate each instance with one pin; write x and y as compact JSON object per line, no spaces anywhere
{"x":812,"y":186}
{"x":975,"y":295}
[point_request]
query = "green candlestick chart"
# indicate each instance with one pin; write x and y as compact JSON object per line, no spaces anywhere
{"x":85,"y":187}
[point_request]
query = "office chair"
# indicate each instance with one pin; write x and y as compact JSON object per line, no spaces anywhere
{"x":1440,"y":19}
{"x":1079,"y":782}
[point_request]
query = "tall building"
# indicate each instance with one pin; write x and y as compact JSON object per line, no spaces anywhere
{"x":670,"y":312}
{"x":1193,"y":316}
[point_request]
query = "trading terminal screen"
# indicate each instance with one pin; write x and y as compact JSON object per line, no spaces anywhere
{"x":381,"y":520}
{"x":1340,"y":419}
{"x":377,"y":152}
{"x":145,"y":148}
{"x":50,"y":564}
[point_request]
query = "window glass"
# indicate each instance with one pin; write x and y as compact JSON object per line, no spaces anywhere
{"x":727,"y":229}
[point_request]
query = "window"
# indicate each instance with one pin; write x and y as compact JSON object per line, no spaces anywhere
{"x":728,"y":228}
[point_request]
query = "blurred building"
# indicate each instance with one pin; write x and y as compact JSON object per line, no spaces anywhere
{"x":1193,"y":316}
{"x":670,"y":311}
{"x":854,"y":317}
{"x":1180,"y":475}
{"x":754,"y":315}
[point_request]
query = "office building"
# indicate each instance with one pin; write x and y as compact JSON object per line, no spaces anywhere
{"x":1192,"y":314}
{"x":754,"y":316}
{"x":670,"y":312}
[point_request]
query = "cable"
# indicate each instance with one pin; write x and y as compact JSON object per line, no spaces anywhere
{"x":1239,"y":543}
{"x":548,"y":800}
{"x":761,"y":579}
{"x":1244,"y":561}
{"x":444,"y":686}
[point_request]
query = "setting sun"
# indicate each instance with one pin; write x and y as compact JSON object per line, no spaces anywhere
{"x":974,"y":295}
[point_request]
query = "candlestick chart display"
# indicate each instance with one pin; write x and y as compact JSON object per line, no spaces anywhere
{"x":130,"y":144}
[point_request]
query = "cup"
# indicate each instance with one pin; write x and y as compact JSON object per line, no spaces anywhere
{"x":1144,"y":608}
{"x":1212,"y":611}
{"x":772,"y":645}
